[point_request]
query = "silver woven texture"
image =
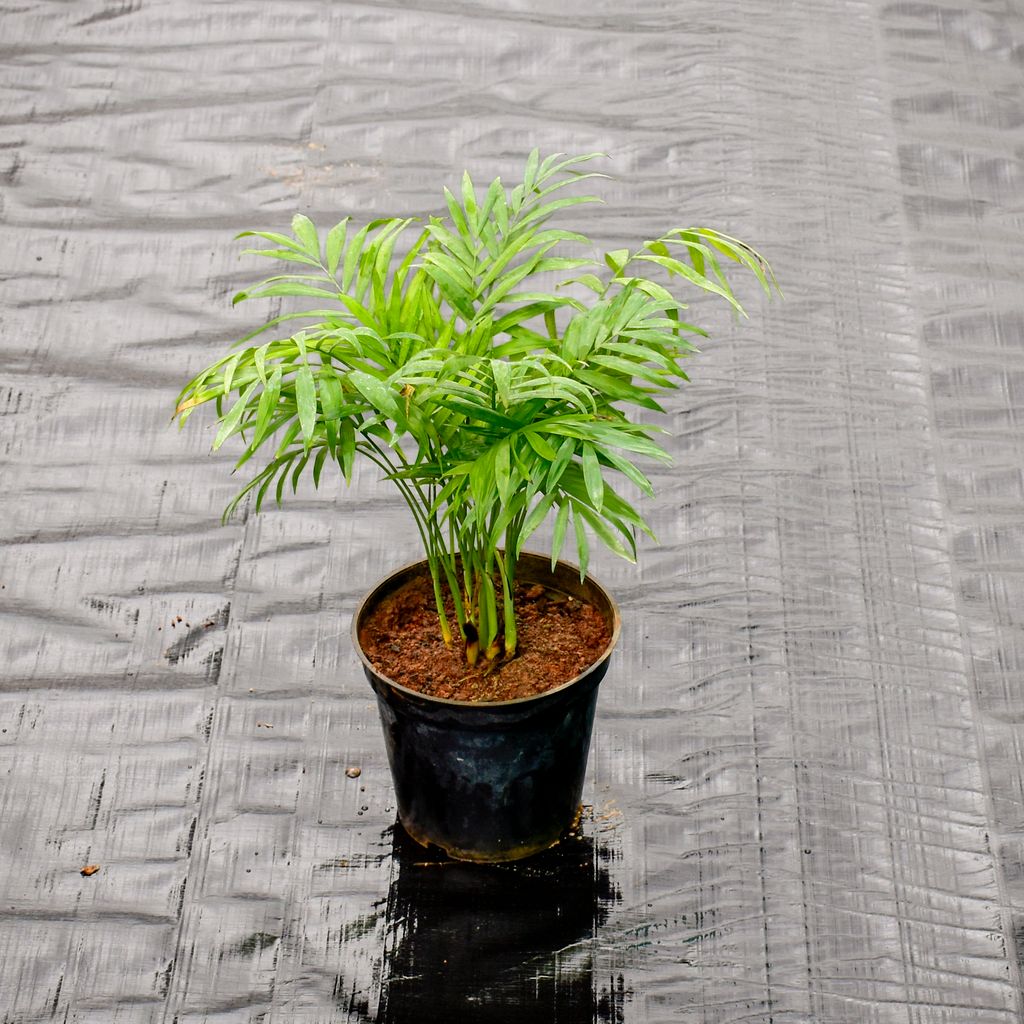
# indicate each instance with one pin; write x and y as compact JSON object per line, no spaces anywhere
{"x":805,"y":799}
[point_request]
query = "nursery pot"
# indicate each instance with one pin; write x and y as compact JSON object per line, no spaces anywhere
{"x":491,"y":781}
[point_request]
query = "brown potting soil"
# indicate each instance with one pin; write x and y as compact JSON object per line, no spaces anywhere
{"x":558,"y":637}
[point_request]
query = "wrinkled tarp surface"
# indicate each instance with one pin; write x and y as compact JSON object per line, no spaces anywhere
{"x":805,"y":798}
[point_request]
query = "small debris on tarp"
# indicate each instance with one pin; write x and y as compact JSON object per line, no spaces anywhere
{"x":89,"y":869}
{"x":353,"y":772}
{"x":264,"y":725}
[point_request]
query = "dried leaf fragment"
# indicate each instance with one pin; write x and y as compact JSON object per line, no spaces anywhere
{"x":89,"y":869}
{"x":353,"y":773}
{"x":264,"y":725}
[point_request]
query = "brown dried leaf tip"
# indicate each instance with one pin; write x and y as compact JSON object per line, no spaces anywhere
{"x":89,"y":869}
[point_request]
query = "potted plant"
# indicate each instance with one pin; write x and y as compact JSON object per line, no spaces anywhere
{"x":493,"y":403}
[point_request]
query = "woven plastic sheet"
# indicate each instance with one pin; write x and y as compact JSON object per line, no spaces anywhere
{"x":805,"y":799}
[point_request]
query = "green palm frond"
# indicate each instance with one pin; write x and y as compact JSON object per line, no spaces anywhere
{"x":492,"y":404}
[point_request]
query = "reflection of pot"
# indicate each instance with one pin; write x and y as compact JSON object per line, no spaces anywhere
{"x":491,"y":781}
{"x":473,"y":943}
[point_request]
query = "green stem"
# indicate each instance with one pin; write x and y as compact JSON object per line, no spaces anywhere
{"x":435,"y":577}
{"x":508,"y":609}
{"x":426,"y":527}
{"x":450,"y":564}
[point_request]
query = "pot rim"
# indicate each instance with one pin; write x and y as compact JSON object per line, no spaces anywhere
{"x":486,"y":705}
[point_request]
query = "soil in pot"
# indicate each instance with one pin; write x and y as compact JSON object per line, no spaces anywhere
{"x":559,"y":637}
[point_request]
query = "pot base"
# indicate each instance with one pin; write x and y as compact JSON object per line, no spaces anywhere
{"x":503,"y":856}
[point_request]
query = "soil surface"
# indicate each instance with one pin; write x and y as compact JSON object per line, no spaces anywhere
{"x":559,"y":636}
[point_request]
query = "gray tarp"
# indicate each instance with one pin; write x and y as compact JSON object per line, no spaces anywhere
{"x":806,"y":797}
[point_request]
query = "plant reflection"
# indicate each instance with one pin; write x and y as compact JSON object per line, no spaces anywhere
{"x":495,"y":943}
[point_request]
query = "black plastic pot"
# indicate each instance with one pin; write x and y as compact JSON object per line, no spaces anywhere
{"x":491,"y":781}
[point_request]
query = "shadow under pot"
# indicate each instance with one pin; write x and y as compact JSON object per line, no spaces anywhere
{"x":495,"y":781}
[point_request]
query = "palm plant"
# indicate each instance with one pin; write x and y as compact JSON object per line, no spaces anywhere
{"x":491,"y":403}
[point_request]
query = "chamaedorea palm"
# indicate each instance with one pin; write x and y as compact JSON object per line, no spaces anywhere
{"x":490,"y":405}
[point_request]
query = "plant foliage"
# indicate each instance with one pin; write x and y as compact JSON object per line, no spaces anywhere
{"x":491,"y":403}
